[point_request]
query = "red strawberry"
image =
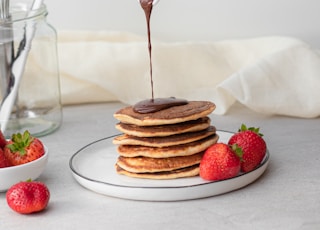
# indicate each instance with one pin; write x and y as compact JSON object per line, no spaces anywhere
{"x":3,"y":140}
{"x":23,"y":148}
{"x":253,"y":147}
{"x":28,"y":197}
{"x":3,"y":160}
{"x":219,"y":162}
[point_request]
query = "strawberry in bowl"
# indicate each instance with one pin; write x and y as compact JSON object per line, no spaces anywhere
{"x":22,"y":157}
{"x":23,"y":148}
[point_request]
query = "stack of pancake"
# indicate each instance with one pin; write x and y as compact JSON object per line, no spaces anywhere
{"x":165,"y":144}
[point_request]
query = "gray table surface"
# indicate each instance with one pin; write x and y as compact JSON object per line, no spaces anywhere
{"x":287,"y":196}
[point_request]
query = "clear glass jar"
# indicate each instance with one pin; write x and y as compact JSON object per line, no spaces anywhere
{"x":37,"y":105}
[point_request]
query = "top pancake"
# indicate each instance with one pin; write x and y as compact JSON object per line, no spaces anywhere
{"x":176,"y":114}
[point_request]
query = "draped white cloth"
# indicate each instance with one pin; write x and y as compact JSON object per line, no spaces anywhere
{"x":271,"y":75}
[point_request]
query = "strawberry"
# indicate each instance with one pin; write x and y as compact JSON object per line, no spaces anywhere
{"x":3,"y":160}
{"x":23,"y":148}
{"x":3,"y":140}
{"x":252,"y":145}
{"x":219,"y":162}
{"x":28,"y":197}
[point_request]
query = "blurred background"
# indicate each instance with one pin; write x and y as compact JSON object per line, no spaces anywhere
{"x":193,"y":20}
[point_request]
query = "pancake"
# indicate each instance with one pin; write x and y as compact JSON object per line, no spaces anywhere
{"x":174,"y":174}
{"x":151,"y":165}
{"x":165,"y":144}
{"x":170,"y":151}
{"x":164,"y":130}
{"x":176,"y":114}
{"x":177,"y":139}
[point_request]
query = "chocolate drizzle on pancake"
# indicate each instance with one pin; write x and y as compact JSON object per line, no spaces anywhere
{"x":154,"y":105}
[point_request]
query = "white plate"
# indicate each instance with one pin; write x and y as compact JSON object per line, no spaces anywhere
{"x":93,"y":167}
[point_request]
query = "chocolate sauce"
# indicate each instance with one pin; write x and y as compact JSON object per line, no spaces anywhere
{"x":154,"y":105}
{"x":147,"y":7}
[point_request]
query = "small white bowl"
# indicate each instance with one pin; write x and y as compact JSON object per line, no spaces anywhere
{"x":14,"y":174}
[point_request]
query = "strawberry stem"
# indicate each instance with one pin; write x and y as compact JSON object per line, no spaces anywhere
{"x":20,"y":142}
{"x":237,"y":150}
{"x":253,"y":129}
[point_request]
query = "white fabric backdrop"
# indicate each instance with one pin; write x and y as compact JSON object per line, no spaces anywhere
{"x":271,"y":75}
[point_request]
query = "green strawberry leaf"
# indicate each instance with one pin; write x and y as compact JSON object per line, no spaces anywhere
{"x":237,"y":150}
{"x":253,"y":129}
{"x":20,"y":142}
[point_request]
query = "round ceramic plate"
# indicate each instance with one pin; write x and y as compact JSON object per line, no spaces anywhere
{"x":93,"y":167}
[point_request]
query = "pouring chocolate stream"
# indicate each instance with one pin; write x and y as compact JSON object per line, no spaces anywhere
{"x":153,"y":105}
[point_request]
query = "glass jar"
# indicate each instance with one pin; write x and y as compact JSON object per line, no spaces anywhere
{"x":29,"y":75}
